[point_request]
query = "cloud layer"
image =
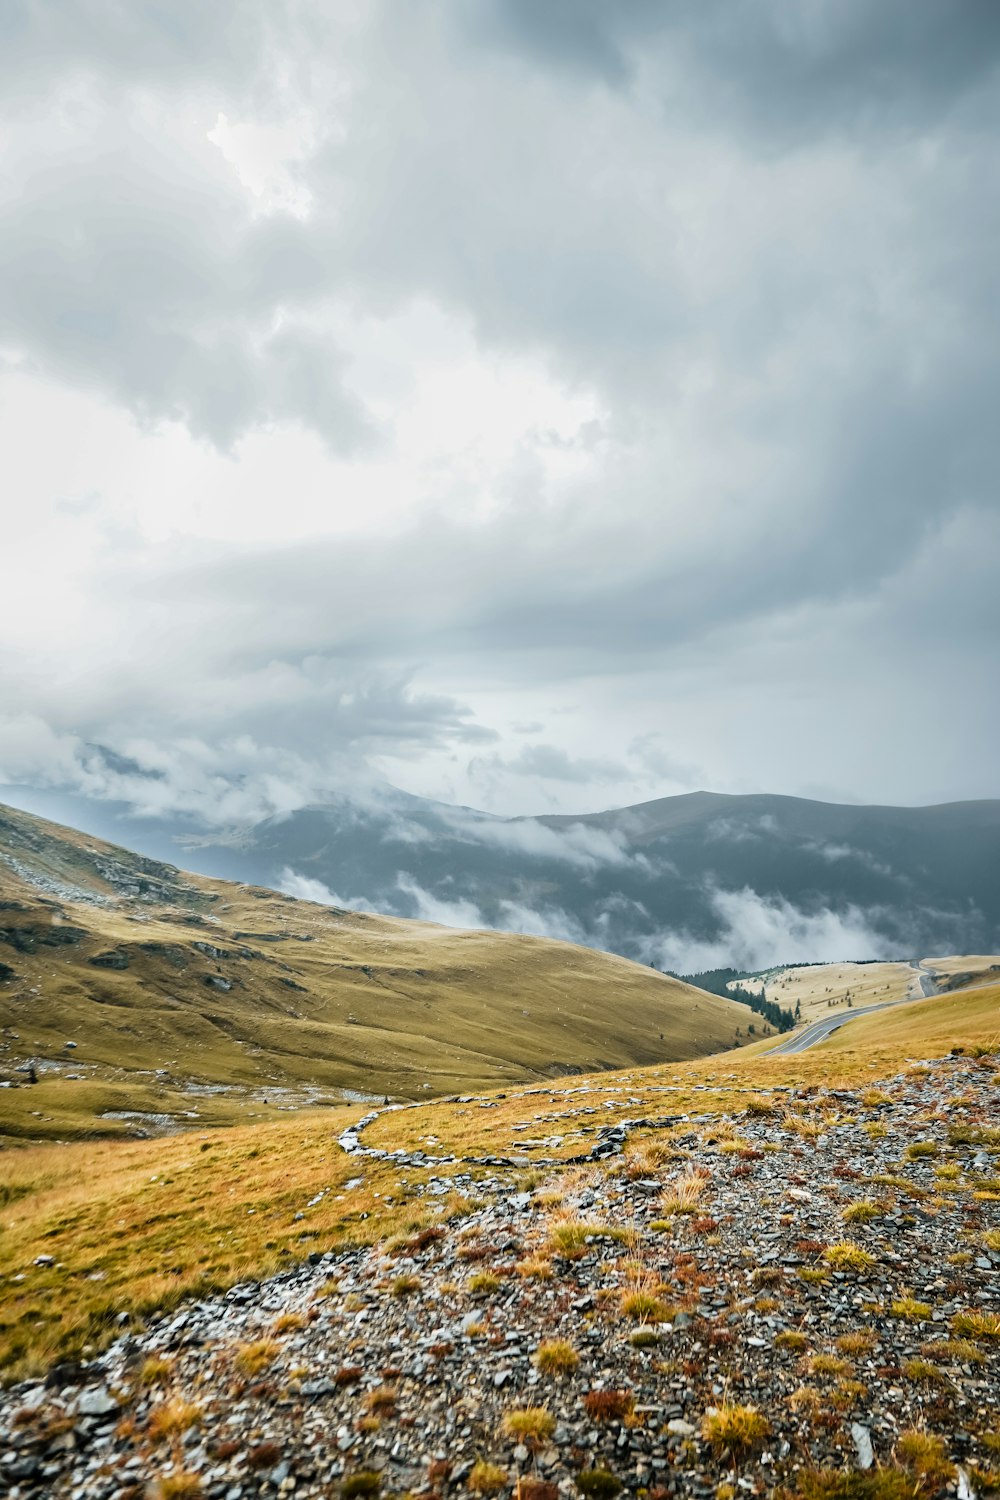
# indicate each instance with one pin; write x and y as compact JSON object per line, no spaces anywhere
{"x":539,"y":406}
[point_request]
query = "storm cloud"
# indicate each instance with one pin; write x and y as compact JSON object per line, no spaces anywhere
{"x":533,"y":406}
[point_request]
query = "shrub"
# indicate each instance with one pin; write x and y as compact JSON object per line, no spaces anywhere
{"x":484,"y":1283}
{"x":405,"y":1286}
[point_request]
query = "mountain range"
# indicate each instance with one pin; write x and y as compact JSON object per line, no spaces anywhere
{"x":684,"y":883}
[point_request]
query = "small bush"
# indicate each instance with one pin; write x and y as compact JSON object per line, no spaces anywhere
{"x":484,"y":1284}
{"x":405,"y":1286}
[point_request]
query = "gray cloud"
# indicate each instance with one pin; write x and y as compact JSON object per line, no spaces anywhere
{"x":758,"y":244}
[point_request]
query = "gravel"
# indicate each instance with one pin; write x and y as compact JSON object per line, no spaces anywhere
{"x":414,"y":1385}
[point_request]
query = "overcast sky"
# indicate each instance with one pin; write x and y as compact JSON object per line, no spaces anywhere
{"x":541,"y":404}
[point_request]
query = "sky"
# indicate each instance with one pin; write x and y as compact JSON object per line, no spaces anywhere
{"x":538,"y":406}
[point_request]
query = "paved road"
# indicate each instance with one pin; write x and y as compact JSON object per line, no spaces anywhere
{"x":818,"y":1031}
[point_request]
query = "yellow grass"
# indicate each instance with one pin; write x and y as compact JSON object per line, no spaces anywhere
{"x":820,"y":989}
{"x":320,"y":1000}
{"x":135,"y":1226}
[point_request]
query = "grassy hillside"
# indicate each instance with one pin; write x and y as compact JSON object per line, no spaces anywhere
{"x":137,"y":989}
{"x":209,"y":1208}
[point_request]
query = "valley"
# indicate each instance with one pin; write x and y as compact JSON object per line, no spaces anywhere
{"x":328,"y":1203}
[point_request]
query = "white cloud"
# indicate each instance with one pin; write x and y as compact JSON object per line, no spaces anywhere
{"x":759,"y":932}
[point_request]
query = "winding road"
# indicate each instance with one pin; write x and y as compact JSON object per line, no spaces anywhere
{"x":818,"y":1031}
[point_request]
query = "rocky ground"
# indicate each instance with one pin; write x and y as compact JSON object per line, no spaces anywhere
{"x":802,"y":1298}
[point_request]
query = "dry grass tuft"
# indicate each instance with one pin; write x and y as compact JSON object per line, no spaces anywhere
{"x":172,"y":1418}
{"x":532,"y":1424}
{"x":486,"y":1478}
{"x":910,"y":1309}
{"x":556,"y":1357}
{"x":847,"y":1256}
{"x":255,"y":1357}
{"x":608,"y":1406}
{"x":735,"y":1429}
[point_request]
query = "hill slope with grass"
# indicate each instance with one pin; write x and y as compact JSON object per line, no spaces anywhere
{"x":781,"y":1271}
{"x":137,"y":990}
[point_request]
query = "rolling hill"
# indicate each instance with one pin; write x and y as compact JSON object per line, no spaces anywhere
{"x":143,"y":995}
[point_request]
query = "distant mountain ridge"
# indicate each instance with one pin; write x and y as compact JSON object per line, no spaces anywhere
{"x":691,"y":882}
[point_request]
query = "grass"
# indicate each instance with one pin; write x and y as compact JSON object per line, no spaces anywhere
{"x":486,"y":1479}
{"x":862,"y":1212}
{"x":910,"y":1309}
{"x":253,"y":1358}
{"x":530,"y":1424}
{"x":556,"y":1357}
{"x":608,"y":1406}
{"x":597,"y":1484}
{"x":976,"y":1325}
{"x":444,"y":1011}
{"x":847,"y":1256}
{"x":791,"y":1339}
{"x":190,"y":1215}
{"x":735,"y":1429}
{"x":172,"y":1418}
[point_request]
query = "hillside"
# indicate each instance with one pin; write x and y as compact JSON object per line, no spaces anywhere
{"x":137,"y":989}
{"x":688,"y":883}
{"x":671,"y":1271}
